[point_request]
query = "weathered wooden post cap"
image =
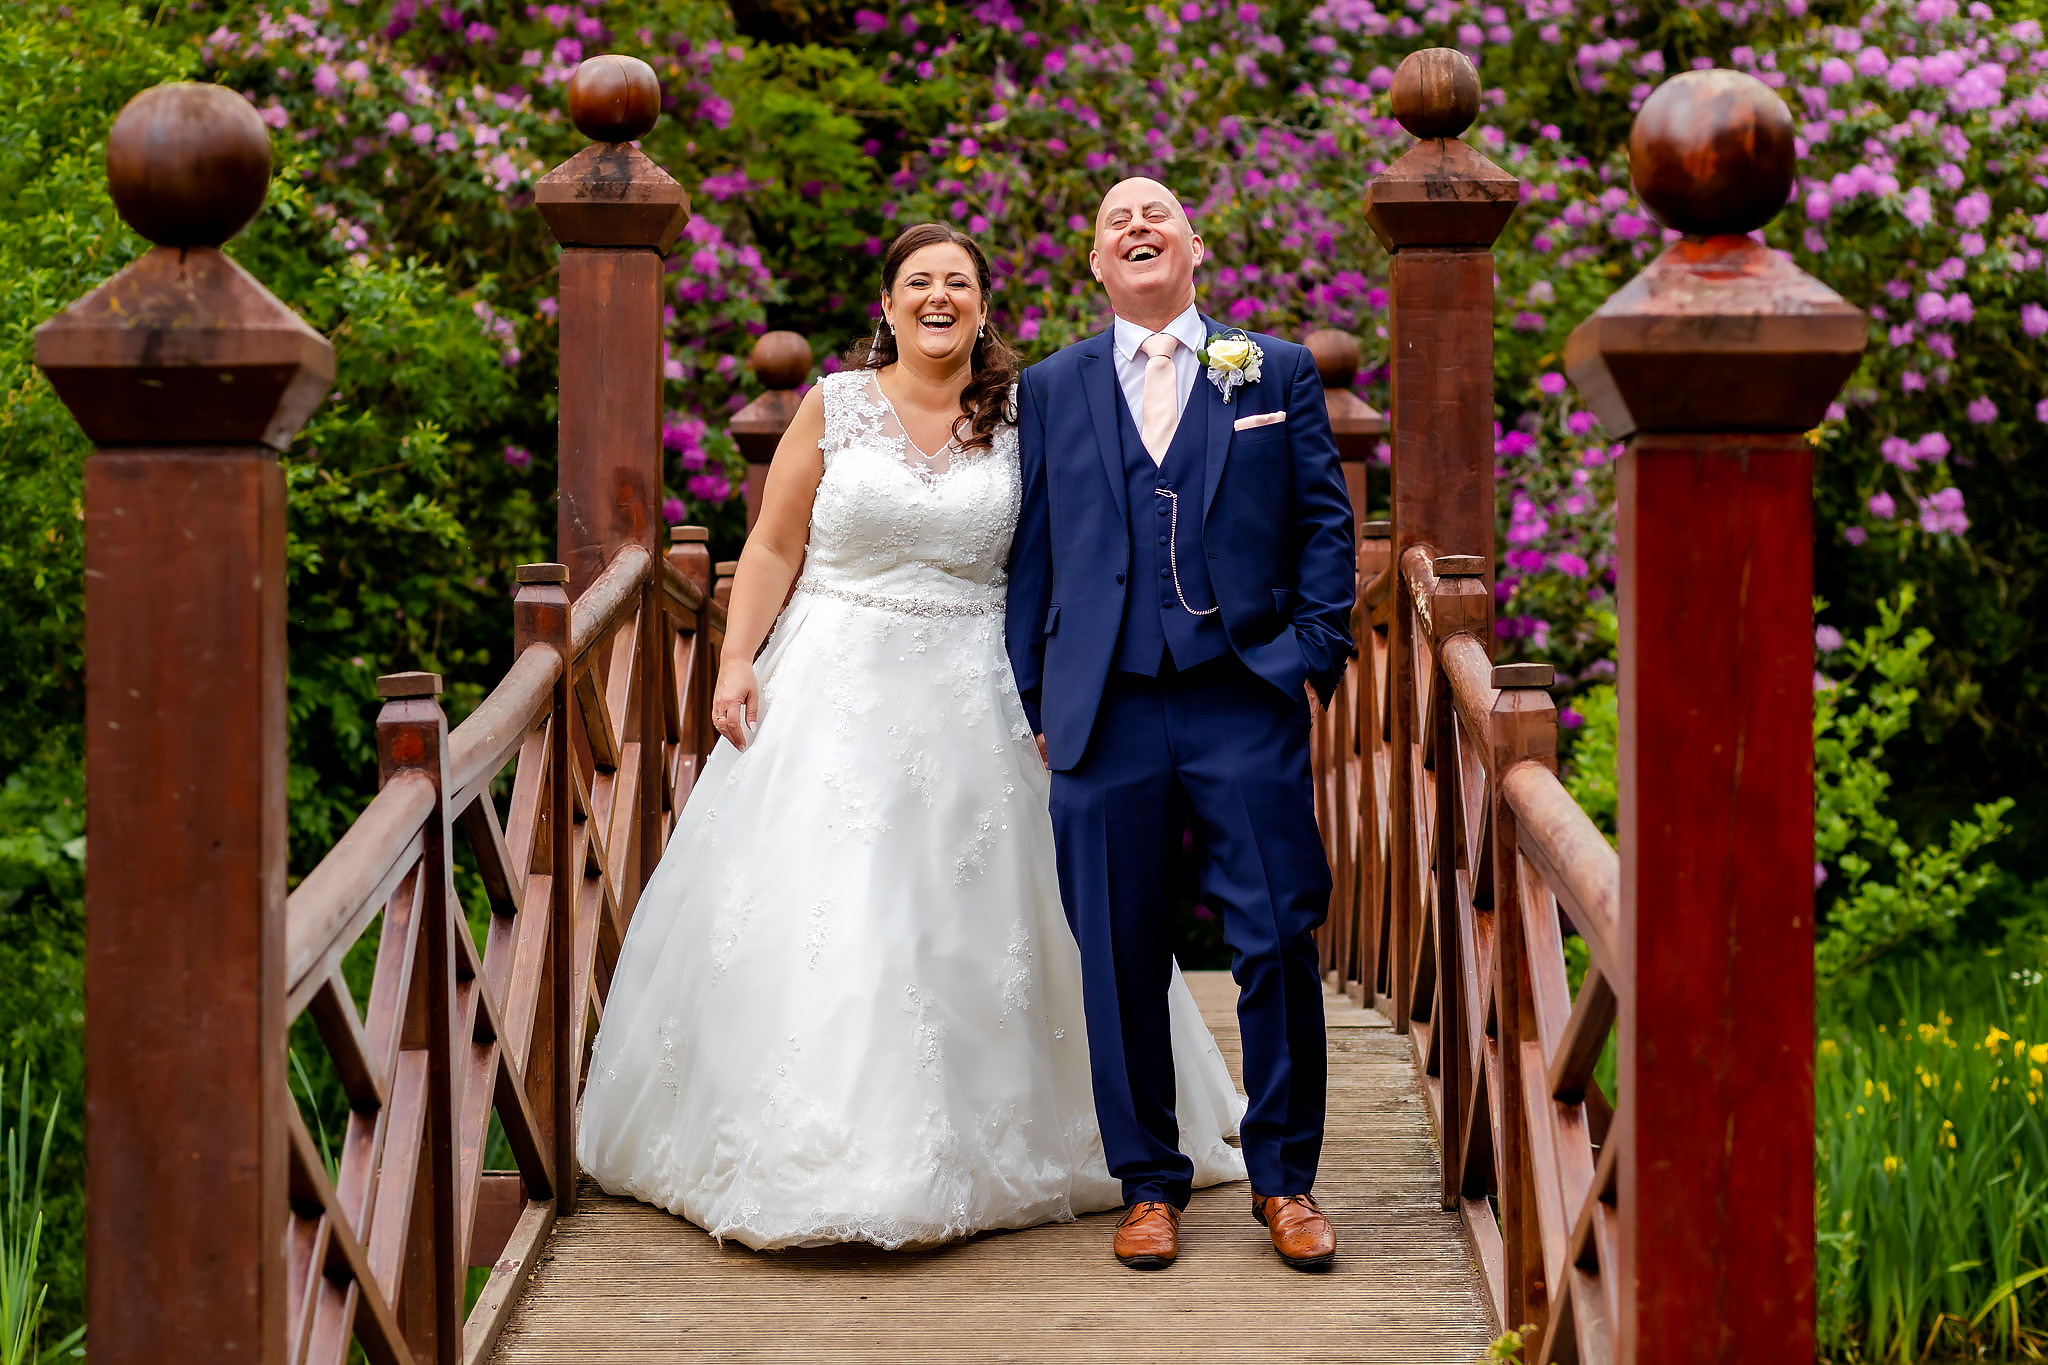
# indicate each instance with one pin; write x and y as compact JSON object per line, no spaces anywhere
{"x":614,"y":98}
{"x":1375,"y":530}
{"x":610,"y":194}
{"x":188,"y":164}
{"x":781,"y":360}
{"x":1712,"y":152}
{"x":399,"y":686}
{"x":726,"y":568}
{"x":1436,"y":92}
{"x":1720,"y":333}
{"x":1522,"y":675}
{"x":689,"y":535}
{"x":1337,"y":357}
{"x":1440,"y":192}
{"x":184,"y":347}
{"x":1353,"y":421}
{"x":1460,"y":566}
{"x":543,"y":573}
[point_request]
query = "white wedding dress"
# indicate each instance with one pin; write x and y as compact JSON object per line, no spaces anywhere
{"x":848,"y":1007}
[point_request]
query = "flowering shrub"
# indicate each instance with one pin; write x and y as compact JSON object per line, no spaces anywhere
{"x":408,"y":135}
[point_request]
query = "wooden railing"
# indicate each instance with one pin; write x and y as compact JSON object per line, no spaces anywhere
{"x":1676,"y":1223}
{"x":218,"y":1228}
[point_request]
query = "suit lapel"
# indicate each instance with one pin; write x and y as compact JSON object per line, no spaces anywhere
{"x":1098,"y":376}
{"x":1219,"y":413}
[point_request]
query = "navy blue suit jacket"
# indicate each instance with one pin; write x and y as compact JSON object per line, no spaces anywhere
{"x":1276,"y":523}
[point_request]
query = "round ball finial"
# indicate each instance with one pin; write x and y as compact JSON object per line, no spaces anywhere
{"x":1712,"y":153}
{"x":781,"y":360}
{"x":614,"y":98}
{"x":1337,"y":357}
{"x":188,"y":164}
{"x":1436,"y":92}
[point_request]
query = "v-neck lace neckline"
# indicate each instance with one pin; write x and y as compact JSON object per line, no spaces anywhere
{"x":929,"y":462}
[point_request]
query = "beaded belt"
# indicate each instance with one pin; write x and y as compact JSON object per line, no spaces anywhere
{"x":908,"y":606}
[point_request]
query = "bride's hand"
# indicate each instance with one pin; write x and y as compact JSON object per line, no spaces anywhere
{"x":736,"y":702}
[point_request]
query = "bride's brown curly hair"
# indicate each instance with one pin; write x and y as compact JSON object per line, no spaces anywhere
{"x":985,"y":402}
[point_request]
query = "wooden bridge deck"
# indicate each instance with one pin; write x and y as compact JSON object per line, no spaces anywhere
{"x":624,"y":1283}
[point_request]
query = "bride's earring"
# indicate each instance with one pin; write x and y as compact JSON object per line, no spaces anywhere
{"x":982,"y":335}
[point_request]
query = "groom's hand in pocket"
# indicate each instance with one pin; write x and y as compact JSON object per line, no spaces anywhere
{"x":1315,"y":705}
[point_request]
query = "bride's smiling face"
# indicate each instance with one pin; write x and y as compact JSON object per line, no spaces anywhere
{"x":935,"y":306}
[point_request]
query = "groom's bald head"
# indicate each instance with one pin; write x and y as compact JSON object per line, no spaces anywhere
{"x":1145,"y":252}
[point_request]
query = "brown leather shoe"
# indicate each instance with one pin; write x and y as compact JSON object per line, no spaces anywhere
{"x":1301,"y":1234}
{"x":1149,"y":1236}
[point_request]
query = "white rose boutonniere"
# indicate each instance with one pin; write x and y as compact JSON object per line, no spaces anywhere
{"x":1233,"y":360}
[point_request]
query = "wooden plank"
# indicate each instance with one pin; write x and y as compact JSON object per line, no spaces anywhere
{"x":622,"y":1282}
{"x":510,"y":1273}
{"x":502,"y":876}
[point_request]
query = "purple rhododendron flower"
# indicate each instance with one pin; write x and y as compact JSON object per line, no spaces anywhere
{"x":1943,"y":513}
{"x":519,"y":457}
{"x":1882,"y":507}
{"x":1855,"y":535}
{"x":1982,"y":410}
{"x":672,"y":511}
{"x":2033,"y":319}
{"x":1827,"y":639}
{"x":1550,"y":383}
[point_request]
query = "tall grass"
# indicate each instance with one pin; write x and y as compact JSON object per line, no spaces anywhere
{"x":22,"y":1290}
{"x":1932,"y":1163}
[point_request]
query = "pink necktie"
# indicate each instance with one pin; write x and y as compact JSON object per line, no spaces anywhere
{"x":1162,"y":396}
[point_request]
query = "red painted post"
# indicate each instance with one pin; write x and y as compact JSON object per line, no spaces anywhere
{"x":1437,"y":210}
{"x":1714,"y":360}
{"x":782,"y":362}
{"x":616,"y":215}
{"x":188,"y":376}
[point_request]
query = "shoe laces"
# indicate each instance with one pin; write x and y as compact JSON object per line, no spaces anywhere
{"x":1138,"y":1213}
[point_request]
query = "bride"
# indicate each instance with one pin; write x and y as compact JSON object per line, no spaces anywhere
{"x":849,"y":1007}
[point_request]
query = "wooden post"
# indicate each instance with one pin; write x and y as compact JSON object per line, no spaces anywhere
{"x":412,"y":736}
{"x":540,"y":614}
{"x":1437,"y":210}
{"x":187,"y":375}
{"x":1353,"y":421}
{"x":1522,"y":727}
{"x":1367,"y":690}
{"x":1354,"y":424}
{"x":721,"y":592}
{"x":1715,"y":359}
{"x":616,"y":215}
{"x":782,"y":362}
{"x":690,"y":551}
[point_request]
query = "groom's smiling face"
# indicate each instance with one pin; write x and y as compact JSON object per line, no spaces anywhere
{"x":1145,"y":252}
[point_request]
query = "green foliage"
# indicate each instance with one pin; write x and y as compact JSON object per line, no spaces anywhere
{"x":1932,"y":1163}
{"x":1891,"y":896}
{"x":1928,"y":889}
{"x":24,"y":1167}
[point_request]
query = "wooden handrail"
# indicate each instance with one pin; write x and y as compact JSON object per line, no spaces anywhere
{"x":600,"y":608}
{"x":1573,"y":857}
{"x":484,"y":743}
{"x":329,"y":909}
{"x":1469,"y":671}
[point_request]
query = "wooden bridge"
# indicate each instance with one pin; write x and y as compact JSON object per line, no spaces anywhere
{"x":1479,"y":1177}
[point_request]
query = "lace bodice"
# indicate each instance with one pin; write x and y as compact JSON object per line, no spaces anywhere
{"x":890,"y":521}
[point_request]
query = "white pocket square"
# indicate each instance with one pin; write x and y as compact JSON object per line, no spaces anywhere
{"x":1262,"y":419}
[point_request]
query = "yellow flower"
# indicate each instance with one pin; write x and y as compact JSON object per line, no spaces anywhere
{"x":1891,"y":1164}
{"x":1941,"y":1016}
{"x":1828,"y":1048}
{"x":1994,"y":1038}
{"x":1868,"y":1088}
{"x":1229,"y":353}
{"x":1884,"y":1089}
{"x":1927,"y":1033}
{"x":2034,"y":1077}
{"x":2038,"y":1054}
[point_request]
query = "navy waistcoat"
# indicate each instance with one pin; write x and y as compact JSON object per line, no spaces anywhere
{"x":1156,"y":626}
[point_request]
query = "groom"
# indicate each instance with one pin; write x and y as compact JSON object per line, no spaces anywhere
{"x":1181,"y":586}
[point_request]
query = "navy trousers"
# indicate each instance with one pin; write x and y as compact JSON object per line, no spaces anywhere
{"x":1227,"y":747}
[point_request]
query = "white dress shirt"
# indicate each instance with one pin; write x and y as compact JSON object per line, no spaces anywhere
{"x":1188,"y":330}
